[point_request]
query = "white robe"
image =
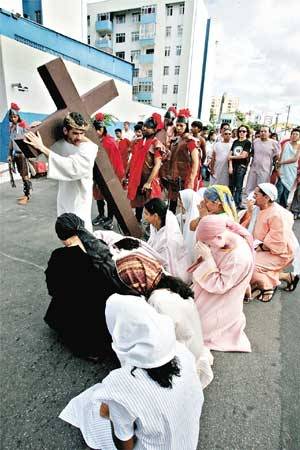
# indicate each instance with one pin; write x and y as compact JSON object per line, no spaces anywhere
{"x":188,"y":328}
{"x":168,"y":242}
{"x":73,"y":166}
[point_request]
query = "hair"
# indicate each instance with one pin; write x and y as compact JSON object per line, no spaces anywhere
{"x":247,"y":128}
{"x":74,"y":118}
{"x":265,"y":126}
{"x":140,"y":122}
{"x":187,"y":128}
{"x":297,"y":130}
{"x":175,"y":285}
{"x":163,"y":375}
{"x":138,"y":127}
{"x":118,"y":130}
{"x":14,"y":113}
{"x":210,"y":134}
{"x":197,"y":124}
{"x":126,"y":121}
{"x":98,"y":125}
{"x":157,"y":206}
{"x":127,"y":243}
{"x":223,"y":125}
{"x":274,"y":136}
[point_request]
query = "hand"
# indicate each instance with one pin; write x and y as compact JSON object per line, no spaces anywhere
{"x":202,"y":251}
{"x":146,"y":187}
{"x":34,"y":140}
{"x":250,"y":205}
{"x":104,"y":410}
{"x":203,"y":211}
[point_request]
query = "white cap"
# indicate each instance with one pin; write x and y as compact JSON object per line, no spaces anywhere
{"x":270,"y":190}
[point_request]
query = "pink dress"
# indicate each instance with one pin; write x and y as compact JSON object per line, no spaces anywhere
{"x":220,"y":284}
{"x":274,"y":227}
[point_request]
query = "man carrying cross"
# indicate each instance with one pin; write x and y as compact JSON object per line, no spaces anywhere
{"x":71,"y":162}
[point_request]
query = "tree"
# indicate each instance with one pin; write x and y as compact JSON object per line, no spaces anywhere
{"x":240,"y":116}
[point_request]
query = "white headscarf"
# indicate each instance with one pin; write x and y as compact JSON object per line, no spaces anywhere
{"x":190,"y":200}
{"x":270,"y":190}
{"x":141,"y":337}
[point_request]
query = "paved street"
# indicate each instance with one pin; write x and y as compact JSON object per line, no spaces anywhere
{"x":252,"y":404}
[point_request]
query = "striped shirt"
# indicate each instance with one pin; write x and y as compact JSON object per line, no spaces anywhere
{"x":161,"y":418}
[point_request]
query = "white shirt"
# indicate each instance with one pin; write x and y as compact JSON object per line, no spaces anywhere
{"x":129,"y":134}
{"x":73,"y":167}
{"x":165,"y":419}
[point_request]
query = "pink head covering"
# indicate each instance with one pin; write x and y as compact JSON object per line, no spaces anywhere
{"x":213,"y":225}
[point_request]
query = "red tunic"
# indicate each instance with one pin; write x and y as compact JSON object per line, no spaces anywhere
{"x":144,"y":153}
{"x":124,"y":148}
{"x":113,"y":152}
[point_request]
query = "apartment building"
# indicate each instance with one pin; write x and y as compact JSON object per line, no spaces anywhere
{"x":168,"y":42}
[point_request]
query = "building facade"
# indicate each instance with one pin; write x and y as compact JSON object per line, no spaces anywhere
{"x":229,"y":104}
{"x":166,"y":41}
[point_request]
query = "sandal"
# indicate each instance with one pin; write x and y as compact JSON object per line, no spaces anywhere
{"x":292,"y":284}
{"x":247,"y":299}
{"x":263,"y":292}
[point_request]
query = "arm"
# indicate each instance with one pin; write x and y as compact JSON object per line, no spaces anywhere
{"x":153,"y":174}
{"x":203,"y":149}
{"x":195,"y":167}
{"x":212,"y":162}
{"x":291,"y":160}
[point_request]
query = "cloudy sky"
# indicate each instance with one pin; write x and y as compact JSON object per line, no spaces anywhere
{"x":258,"y":53}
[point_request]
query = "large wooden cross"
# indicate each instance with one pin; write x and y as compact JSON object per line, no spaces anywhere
{"x":67,"y":99}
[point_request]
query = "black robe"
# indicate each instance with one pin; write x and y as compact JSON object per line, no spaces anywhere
{"x":77,"y":310}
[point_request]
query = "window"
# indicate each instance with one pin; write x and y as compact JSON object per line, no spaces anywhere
{"x":174,"y":104}
{"x":136,"y":17}
{"x":175,"y":89}
{"x":120,"y":18}
{"x":120,"y":55}
{"x":167,"y":51}
{"x":165,"y":89}
{"x":178,"y":50}
{"x":147,"y":31}
{"x":88,"y":20}
{"x":135,"y":35}
{"x":164,"y":105}
{"x":89,"y":39}
{"x":150,"y":73}
{"x":179,"y":30}
{"x":176,"y":70}
{"x":169,"y":10}
{"x":181,"y":8}
{"x":120,"y":37}
{"x":38,"y":16}
{"x":145,"y":86}
{"x":134,"y":55}
{"x":146,"y":102}
{"x":166,"y":70}
{"x":149,"y":51}
{"x":168,"y":31}
{"x":105,"y":16}
{"x":134,"y":90}
{"x":148,"y":9}
{"x":136,"y":73}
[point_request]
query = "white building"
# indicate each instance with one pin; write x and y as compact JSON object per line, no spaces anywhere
{"x":230,"y":104}
{"x":168,"y":41}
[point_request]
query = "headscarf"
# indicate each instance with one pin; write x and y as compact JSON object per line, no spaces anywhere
{"x":223,"y":194}
{"x":139,"y":272}
{"x":190,"y":200}
{"x":141,"y":336}
{"x":68,"y":224}
{"x":213,"y":225}
{"x":270,"y":190}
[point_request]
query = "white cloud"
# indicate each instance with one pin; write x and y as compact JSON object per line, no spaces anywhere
{"x":258,"y":57}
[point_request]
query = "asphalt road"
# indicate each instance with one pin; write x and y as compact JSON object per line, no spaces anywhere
{"x":252,"y":404}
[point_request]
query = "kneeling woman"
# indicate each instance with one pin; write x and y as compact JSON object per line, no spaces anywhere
{"x":146,"y":403}
{"x":221,"y":276}
{"x":80,"y":277}
{"x":166,"y":238}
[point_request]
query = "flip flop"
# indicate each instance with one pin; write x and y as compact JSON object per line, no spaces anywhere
{"x":292,"y":284}
{"x":264,"y":292}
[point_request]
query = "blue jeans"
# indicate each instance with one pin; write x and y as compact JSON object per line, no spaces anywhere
{"x":236,"y":183}
{"x":283,"y":193}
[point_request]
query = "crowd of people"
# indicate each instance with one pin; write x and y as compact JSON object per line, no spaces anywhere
{"x":220,"y":235}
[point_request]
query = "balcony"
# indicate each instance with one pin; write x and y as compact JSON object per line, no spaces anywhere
{"x":147,"y":42}
{"x":147,"y":59}
{"x":104,"y":26}
{"x":143,"y":95}
{"x":148,"y":18}
{"x":104,"y":44}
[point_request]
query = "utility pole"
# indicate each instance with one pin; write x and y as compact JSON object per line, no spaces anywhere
{"x":287,"y":119}
{"x":276,"y":122}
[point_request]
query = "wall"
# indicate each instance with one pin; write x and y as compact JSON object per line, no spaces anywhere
{"x":38,"y":101}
